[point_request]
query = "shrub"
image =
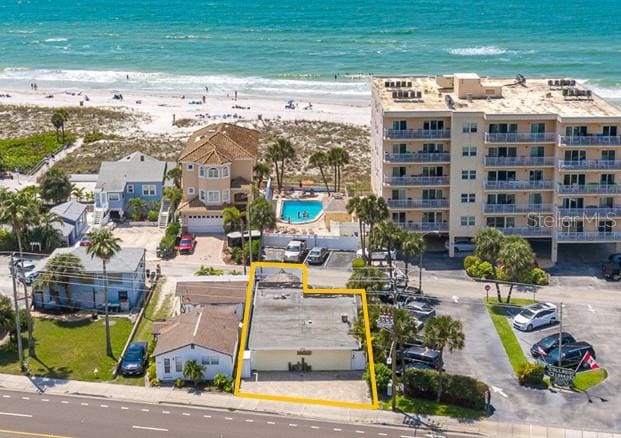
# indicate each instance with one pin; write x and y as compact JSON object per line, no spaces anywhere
{"x":173,"y":229}
{"x":153,"y":215}
{"x":8,"y":241}
{"x":152,"y":374}
{"x":383,"y":374}
{"x":223,"y":383}
{"x":479,"y":269}
{"x":530,"y":374}
{"x":358,"y":262}
{"x":236,"y":254}
{"x":179,"y":383}
{"x":94,"y":136}
{"x":538,"y":277}
{"x":457,"y":389}
{"x":471,"y":261}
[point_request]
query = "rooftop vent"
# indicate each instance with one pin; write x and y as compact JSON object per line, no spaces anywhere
{"x":344,"y":318}
{"x":449,"y":101}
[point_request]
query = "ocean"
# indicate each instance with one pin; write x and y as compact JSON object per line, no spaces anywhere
{"x":296,"y":47}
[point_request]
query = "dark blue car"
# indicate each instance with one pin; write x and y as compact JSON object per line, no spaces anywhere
{"x":134,"y":359}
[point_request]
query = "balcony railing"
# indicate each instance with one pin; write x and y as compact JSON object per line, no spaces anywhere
{"x":423,"y":134}
{"x":590,"y":140}
{"x":588,"y":236}
{"x":600,"y":212}
{"x":423,"y":226}
{"x":519,"y":161}
{"x":519,"y":185}
{"x":527,"y":231}
{"x":418,"y":203}
{"x":517,"y":208}
{"x":418,"y":157}
{"x":589,"y":165}
{"x":586,"y":189}
{"x":417,"y":180}
{"x":520,"y":137}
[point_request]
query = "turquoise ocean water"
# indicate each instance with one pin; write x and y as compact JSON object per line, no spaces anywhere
{"x":294,"y":47}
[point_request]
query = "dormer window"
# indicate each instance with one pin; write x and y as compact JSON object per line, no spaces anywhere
{"x":212,"y":172}
{"x":225,"y":171}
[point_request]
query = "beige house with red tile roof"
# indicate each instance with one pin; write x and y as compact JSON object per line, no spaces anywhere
{"x":217,"y":165}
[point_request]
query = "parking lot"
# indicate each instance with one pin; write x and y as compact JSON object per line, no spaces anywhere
{"x":340,"y":260}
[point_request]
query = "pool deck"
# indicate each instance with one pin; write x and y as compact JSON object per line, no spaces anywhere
{"x":316,"y":226}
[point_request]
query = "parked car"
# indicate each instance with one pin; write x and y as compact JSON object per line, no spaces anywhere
{"x":461,"y":245}
{"x":186,"y":244}
{"x":86,"y":241}
{"x":423,"y":354}
{"x":380,"y":255}
{"x":295,"y":251}
{"x":612,"y":269}
{"x":536,"y":315}
{"x":23,"y":265}
{"x":317,"y":255}
{"x":571,"y":356}
{"x":28,"y":277}
{"x":134,"y":360}
{"x":420,"y":309}
{"x":549,"y":343}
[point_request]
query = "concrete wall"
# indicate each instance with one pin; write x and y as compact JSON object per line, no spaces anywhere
{"x":198,"y":353}
{"x":319,"y":360}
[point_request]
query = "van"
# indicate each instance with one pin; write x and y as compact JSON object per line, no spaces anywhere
{"x":425,"y":355}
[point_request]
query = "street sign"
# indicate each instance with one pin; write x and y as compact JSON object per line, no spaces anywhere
{"x":384,"y":321}
{"x":561,"y":376}
{"x":487,"y":287}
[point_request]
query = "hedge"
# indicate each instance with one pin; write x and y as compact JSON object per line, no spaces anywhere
{"x":477,"y":268}
{"x":530,"y":374}
{"x":458,"y":390}
{"x":383,"y":374}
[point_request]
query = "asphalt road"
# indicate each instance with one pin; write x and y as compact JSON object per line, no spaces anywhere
{"x":34,"y":415}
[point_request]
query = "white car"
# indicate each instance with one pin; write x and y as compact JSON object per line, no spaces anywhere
{"x":536,"y":315}
{"x":295,"y":251}
{"x":379,"y":255}
{"x":461,"y":245}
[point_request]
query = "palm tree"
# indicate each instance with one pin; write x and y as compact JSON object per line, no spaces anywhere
{"x":367,"y":278}
{"x":337,"y":157}
{"x":55,"y":186}
{"x":58,"y":120}
{"x":488,"y":243}
{"x":235,"y":219}
{"x":174,"y":195}
{"x":61,"y":270}
{"x":137,"y":206}
{"x":261,"y":172}
{"x":278,"y":153}
{"x":175,"y":174}
{"x":441,"y":332}
{"x":192,"y":370}
{"x":262,"y":216}
{"x":405,"y":330}
{"x":21,"y":210}
{"x":319,"y":160}
{"x":518,"y":258}
{"x":104,"y":246}
{"x":413,"y":245}
{"x":48,"y":232}
{"x":372,"y":210}
{"x":354,"y":206}
{"x":79,"y":193}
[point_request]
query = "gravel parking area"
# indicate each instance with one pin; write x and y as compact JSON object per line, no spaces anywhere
{"x":346,"y":386}
{"x":340,"y":260}
{"x":273,"y":254}
{"x":140,"y":237}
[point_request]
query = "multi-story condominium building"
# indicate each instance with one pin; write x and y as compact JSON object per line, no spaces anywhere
{"x":217,"y":169}
{"x":539,"y":158}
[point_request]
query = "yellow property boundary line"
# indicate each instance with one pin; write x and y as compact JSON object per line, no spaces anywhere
{"x":306,"y":290}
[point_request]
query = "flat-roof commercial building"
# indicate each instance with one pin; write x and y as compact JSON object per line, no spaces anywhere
{"x":539,"y":158}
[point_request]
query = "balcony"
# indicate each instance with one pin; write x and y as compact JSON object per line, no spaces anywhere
{"x":418,"y":157}
{"x":588,"y":236}
{"x":588,"y":189}
{"x":416,"y":180}
{"x":520,"y":137}
{"x":527,"y":231}
{"x":590,"y":140}
{"x":423,"y":226}
{"x":590,"y":165}
{"x":519,"y":161}
{"x":518,"y":185}
{"x":517,"y":208}
{"x":405,"y":204}
{"x":590,"y":212}
{"x":417,"y":134}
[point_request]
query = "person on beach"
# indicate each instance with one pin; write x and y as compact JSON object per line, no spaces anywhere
{"x":206,"y":89}
{"x":127,"y":77}
{"x":35,"y":86}
{"x":174,"y":119}
{"x":204,"y":99}
{"x":235,"y":94}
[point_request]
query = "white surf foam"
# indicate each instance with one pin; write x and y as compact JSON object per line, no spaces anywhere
{"x":478,"y":51}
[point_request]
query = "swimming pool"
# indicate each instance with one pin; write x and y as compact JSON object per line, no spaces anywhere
{"x":298,"y":212}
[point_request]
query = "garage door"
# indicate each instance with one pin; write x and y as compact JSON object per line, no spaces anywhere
{"x":205,"y":224}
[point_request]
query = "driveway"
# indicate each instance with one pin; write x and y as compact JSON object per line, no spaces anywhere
{"x":140,"y":237}
{"x":340,"y":260}
{"x":347,"y":386}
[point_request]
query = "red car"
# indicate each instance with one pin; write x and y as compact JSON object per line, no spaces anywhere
{"x":186,"y":244}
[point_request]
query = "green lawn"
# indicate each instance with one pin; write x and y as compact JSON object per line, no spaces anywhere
{"x":505,"y":332}
{"x":71,"y":350}
{"x":427,"y":407}
{"x":24,"y":153}
{"x":588,"y":379}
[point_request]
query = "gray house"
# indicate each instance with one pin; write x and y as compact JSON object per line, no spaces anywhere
{"x":73,"y":221}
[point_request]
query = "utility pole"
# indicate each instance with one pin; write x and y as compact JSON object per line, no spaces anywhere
{"x":17,"y":327}
{"x":393,"y":354}
{"x":31,"y":344}
{"x":560,"y":336}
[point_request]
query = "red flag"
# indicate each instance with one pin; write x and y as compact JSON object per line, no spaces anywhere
{"x":541,"y":351}
{"x":588,"y":359}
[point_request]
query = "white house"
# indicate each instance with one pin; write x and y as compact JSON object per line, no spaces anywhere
{"x":218,"y":290}
{"x":208,"y":335}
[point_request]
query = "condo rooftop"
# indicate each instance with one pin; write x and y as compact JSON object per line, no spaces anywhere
{"x":466,"y":92}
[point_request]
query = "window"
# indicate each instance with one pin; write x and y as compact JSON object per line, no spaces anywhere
{"x":225,"y":195}
{"x":225,"y":171}
{"x":537,"y":128}
{"x":577,"y":131}
{"x":399,"y":148}
{"x":191,"y":190}
{"x":500,"y":222}
{"x":201,"y":172}
{"x":537,"y":151}
{"x":469,"y":127}
{"x":190,"y":167}
{"x":433,"y":125}
{"x":178,"y":364}
{"x":433,"y":148}
{"x":210,"y":360}
{"x":130,"y":188}
{"x":468,"y":198}
{"x":468,"y":174}
{"x":398,"y":125}
{"x":202,"y":196}
{"x":503,"y":152}
{"x":469,"y":151}
{"x":148,"y":190}
{"x":213,"y":196}
{"x":123,"y":296}
{"x":166,"y":366}
{"x":113,"y":197}
{"x":467,"y":221}
{"x":213,"y":172}
{"x":609,"y":131}
{"x":608,"y":155}
{"x":503,"y":128}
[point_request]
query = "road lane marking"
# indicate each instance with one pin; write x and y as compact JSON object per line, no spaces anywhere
{"x":103,"y":406}
{"x":45,"y":399}
{"x":228,"y":418}
{"x":293,"y":425}
{"x":382,"y":434}
{"x":249,"y":421}
{"x":336,"y":429}
{"x":31,"y":434}
{"x":157,"y":429}
{"x":144,"y":410}
{"x":185,"y":413}
{"x":25,"y":398}
{"x":84,"y":404}
{"x":207,"y":416}
{"x":591,"y":308}
{"x":64,"y":402}
{"x":13,"y":414}
{"x":165,"y":412}
{"x":124,"y":408}
{"x":6,"y":396}
{"x":360,"y":431}
{"x":408,"y":436}
{"x":314,"y":427}
{"x":270,"y":422}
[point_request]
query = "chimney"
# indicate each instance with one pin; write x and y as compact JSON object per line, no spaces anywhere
{"x":142,"y":158}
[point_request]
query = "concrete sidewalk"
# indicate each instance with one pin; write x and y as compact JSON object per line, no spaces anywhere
{"x":307,"y":411}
